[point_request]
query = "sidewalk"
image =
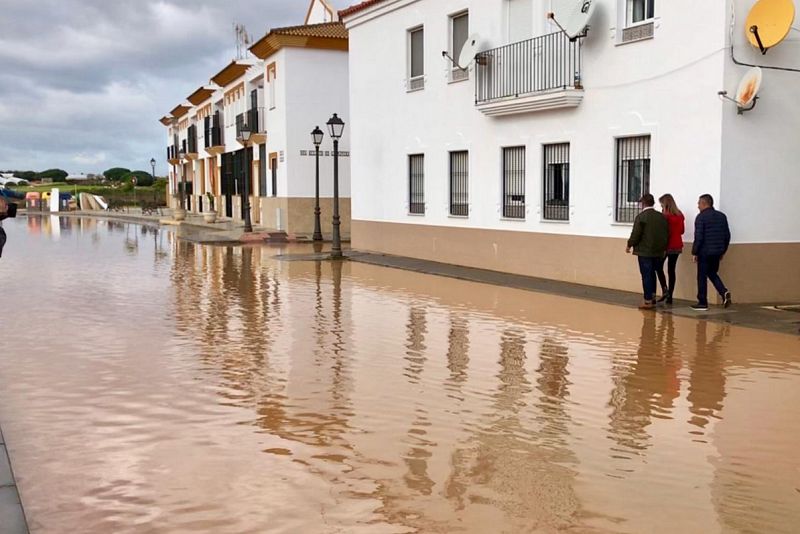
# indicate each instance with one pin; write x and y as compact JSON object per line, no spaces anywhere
{"x":758,"y":316}
{"x":12,"y":516}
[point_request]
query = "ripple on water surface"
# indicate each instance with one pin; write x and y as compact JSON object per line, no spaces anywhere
{"x":153,"y":385}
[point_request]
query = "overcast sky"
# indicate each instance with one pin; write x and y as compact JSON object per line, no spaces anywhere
{"x":84,"y":82}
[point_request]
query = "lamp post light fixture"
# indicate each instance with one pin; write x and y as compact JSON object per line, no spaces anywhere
{"x":244,"y":137}
{"x":317,"y":136}
{"x":336,"y":128}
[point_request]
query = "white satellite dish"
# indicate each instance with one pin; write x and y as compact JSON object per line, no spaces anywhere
{"x":468,"y":51}
{"x":573,"y":16}
{"x":747,"y":92}
{"x":748,"y":89}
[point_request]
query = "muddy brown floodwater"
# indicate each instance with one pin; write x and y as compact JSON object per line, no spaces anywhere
{"x":153,"y":385}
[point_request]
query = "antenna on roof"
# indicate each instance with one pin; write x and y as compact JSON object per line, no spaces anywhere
{"x":243,"y":40}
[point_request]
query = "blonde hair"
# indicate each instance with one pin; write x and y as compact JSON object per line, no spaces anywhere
{"x":669,"y":204}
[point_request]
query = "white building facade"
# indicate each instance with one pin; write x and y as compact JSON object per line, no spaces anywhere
{"x":531,"y":160}
{"x":295,"y":79}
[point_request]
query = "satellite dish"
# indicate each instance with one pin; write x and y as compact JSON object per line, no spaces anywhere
{"x":748,"y":89}
{"x":769,"y":22}
{"x":572,"y":16}
{"x":468,"y":51}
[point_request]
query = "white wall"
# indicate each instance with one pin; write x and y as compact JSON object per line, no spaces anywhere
{"x":276,"y":119}
{"x":317,"y":87}
{"x":761,"y":148}
{"x":665,"y":86}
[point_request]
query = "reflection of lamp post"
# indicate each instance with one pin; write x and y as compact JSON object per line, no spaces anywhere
{"x":244,"y":138}
{"x":317,"y":136}
{"x":336,"y":128}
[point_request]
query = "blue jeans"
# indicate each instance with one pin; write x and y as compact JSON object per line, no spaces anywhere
{"x":648,"y":268}
{"x":708,"y":269}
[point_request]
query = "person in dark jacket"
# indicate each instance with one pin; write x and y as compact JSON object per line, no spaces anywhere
{"x":712,"y":237}
{"x":648,"y":241}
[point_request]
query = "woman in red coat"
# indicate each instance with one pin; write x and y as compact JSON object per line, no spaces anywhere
{"x":675,"y":221}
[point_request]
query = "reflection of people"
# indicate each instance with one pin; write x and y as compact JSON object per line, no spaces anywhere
{"x":712,"y":237}
{"x":649,"y":243}
{"x":707,"y":375}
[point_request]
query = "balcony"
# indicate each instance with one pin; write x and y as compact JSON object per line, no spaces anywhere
{"x":172,"y":155}
{"x":214,"y":143}
{"x":538,"y":74}
{"x":191,"y":143}
{"x":255,"y":119}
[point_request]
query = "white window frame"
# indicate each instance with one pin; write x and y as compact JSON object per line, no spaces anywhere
{"x":629,"y":13}
{"x":415,"y":83}
{"x":631,"y":32}
{"x":457,"y":74}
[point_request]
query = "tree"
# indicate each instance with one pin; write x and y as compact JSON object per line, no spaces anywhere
{"x":116,"y":174}
{"x":57,"y":175}
{"x":143,"y":178}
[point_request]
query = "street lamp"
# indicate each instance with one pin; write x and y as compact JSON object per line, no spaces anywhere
{"x":317,"y":136}
{"x":182,"y":188}
{"x":244,"y":138}
{"x":336,"y":128}
{"x":153,"y":165}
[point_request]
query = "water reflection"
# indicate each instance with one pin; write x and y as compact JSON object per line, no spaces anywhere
{"x":330,"y":396}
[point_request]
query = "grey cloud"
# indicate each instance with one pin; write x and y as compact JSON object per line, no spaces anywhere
{"x":83,"y":82}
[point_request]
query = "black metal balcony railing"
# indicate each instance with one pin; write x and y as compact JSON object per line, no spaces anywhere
{"x":213,"y":131}
{"x":254,"y":118}
{"x":525,"y":68}
{"x":191,"y":140}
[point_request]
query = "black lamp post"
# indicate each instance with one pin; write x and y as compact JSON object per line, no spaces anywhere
{"x":317,"y":136}
{"x":336,"y":128}
{"x":182,"y":186}
{"x":244,"y":138}
{"x":153,"y":165}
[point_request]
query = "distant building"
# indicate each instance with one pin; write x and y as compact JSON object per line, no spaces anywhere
{"x":295,"y":81}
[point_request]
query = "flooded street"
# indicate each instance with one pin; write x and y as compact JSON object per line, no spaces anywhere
{"x":154,"y":385}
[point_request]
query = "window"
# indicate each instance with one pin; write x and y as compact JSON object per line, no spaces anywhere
{"x":262,"y":170}
{"x":459,"y":33}
{"x":633,"y":175}
{"x":272,"y":94}
{"x":555,"y":180}
{"x":416,"y":183}
{"x":640,"y":11}
{"x":416,"y":43}
{"x":519,"y":20}
{"x":459,"y":183}
{"x":514,"y":182}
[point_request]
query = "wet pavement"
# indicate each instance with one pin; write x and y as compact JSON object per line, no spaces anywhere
{"x":150,"y":384}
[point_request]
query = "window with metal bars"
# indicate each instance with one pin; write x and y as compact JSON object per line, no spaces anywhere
{"x":633,"y":175}
{"x":514,"y":182}
{"x":416,"y":184}
{"x":459,"y":183}
{"x":555,"y":180}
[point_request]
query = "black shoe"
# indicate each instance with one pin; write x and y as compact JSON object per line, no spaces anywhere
{"x":726,"y":300}
{"x":665,"y":297}
{"x":669,"y":300}
{"x":700,"y":307}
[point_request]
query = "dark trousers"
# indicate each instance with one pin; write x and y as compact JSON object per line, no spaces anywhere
{"x":648,"y":266}
{"x":708,"y":269}
{"x":2,"y":241}
{"x":672,"y":261}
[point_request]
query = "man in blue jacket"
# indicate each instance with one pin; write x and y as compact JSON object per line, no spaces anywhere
{"x":712,"y":237}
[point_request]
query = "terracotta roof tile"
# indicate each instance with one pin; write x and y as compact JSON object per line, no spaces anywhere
{"x":330,"y":30}
{"x":358,"y":7}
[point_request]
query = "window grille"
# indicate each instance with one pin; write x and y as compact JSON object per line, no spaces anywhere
{"x":514,"y":182}
{"x":459,"y":183}
{"x":555,"y":180}
{"x":633,"y":175}
{"x":416,"y":184}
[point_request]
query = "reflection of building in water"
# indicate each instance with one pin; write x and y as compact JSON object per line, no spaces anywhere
{"x":645,"y":387}
{"x":506,"y":462}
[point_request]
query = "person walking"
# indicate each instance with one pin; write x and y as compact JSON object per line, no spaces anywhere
{"x":676,"y":225}
{"x":648,"y":242}
{"x":712,"y":237}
